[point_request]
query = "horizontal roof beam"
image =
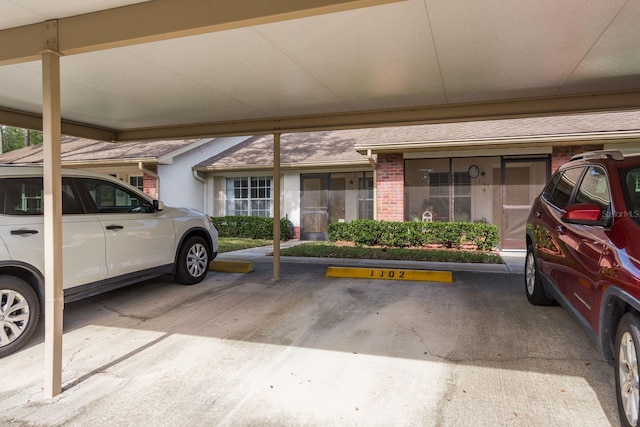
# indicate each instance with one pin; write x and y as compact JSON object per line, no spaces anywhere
{"x":398,"y":117}
{"x":156,"y":20}
{"x":25,"y":120}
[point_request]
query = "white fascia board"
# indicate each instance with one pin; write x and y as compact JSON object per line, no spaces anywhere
{"x":284,"y":166}
{"x":478,"y":143}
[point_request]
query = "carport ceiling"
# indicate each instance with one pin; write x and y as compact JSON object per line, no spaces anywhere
{"x":190,"y":68}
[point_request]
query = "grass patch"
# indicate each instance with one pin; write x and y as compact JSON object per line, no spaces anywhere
{"x":228,"y":244}
{"x":329,"y":250}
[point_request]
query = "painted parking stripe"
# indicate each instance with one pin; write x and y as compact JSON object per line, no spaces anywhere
{"x":390,"y":274}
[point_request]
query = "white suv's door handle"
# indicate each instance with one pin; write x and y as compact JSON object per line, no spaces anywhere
{"x":23,"y":232}
{"x":115,"y":227}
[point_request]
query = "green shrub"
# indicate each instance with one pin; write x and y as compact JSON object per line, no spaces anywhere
{"x":251,"y":227}
{"x":368,"y":232}
{"x":484,"y":236}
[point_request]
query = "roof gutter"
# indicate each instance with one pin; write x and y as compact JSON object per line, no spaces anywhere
{"x":372,"y":162}
{"x":197,"y":176}
{"x":153,"y":174}
{"x":284,"y":166}
{"x":593,"y":137}
{"x":104,"y":162}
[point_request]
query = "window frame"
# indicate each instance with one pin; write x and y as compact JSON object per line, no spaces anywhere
{"x":633,"y":209}
{"x":608,"y":210}
{"x":137,"y":177}
{"x":366,"y":197}
{"x":549,"y":198}
{"x":146,"y":205}
{"x":72,"y":204}
{"x":250,"y":188}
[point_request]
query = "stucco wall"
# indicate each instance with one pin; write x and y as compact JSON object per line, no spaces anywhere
{"x":291,"y":198}
{"x":178,"y":187}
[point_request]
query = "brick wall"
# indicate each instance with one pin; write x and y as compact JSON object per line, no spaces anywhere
{"x":390,"y":187}
{"x":562,"y":154}
{"x":149,"y":183}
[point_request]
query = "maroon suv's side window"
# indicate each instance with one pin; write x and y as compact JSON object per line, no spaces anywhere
{"x":564,"y":188}
{"x":594,"y":189}
{"x":630,"y":179}
{"x":547,"y":193}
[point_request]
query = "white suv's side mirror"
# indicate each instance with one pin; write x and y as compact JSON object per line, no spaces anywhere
{"x":157,"y":205}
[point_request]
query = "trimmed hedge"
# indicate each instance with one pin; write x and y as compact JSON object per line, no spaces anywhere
{"x":251,"y":227}
{"x":369,"y":232}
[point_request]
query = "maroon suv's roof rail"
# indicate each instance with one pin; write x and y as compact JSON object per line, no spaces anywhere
{"x":599,"y":154}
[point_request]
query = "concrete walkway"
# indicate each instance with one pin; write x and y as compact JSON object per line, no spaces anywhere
{"x":513,"y":261}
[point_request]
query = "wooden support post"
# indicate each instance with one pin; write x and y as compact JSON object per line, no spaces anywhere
{"x":276,"y":206}
{"x":52,"y":180}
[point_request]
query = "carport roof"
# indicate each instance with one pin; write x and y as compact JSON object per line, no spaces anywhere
{"x":197,"y":68}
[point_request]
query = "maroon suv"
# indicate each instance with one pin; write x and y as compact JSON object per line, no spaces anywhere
{"x":583,"y":250}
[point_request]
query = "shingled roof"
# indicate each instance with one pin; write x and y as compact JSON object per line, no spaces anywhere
{"x":308,"y":149}
{"x":87,"y":151}
{"x":588,"y":127}
{"x":341,"y":147}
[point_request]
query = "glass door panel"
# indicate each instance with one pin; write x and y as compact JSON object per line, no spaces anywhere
{"x":523,"y":180}
{"x":314,"y":199}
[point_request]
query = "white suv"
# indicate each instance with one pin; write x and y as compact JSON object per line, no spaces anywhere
{"x":113,"y":235}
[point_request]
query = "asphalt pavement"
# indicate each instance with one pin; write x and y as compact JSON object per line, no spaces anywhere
{"x":305,"y":349}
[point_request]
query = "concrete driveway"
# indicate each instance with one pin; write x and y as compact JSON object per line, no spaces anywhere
{"x":310,"y":350}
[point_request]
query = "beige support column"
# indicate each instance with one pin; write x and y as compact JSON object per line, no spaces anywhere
{"x":276,"y":205}
{"x":52,"y":224}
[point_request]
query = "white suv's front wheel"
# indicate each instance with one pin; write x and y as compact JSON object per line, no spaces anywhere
{"x":193,"y":261}
{"x":19,"y":312}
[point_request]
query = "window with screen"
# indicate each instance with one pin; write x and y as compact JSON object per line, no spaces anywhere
{"x":137,"y":181}
{"x":249,"y":196}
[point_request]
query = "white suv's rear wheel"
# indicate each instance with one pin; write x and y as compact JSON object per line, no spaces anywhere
{"x":19,"y":312}
{"x":193,"y":261}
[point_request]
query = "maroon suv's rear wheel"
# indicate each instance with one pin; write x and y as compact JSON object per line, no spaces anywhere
{"x":532,"y":283}
{"x":627,"y":379}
